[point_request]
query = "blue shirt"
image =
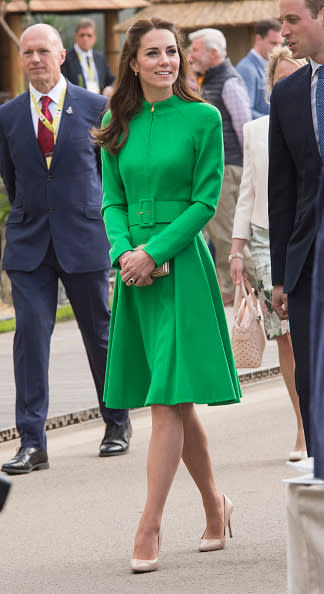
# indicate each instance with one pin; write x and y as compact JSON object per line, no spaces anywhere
{"x":252,"y":70}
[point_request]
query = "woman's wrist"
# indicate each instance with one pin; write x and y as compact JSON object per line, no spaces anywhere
{"x":235,"y":255}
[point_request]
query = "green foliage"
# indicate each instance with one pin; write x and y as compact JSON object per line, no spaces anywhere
{"x":65,"y":312}
{"x":5,"y":208}
{"x":66,"y":24}
{"x":7,"y":325}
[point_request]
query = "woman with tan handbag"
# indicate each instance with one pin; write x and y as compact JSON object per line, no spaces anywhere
{"x":251,"y":223}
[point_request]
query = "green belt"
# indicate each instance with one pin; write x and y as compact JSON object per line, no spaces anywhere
{"x":147,"y":212}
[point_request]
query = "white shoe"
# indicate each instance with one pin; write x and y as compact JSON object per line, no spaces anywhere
{"x":216,"y":544}
{"x":145,"y":565}
{"x":297,"y":455}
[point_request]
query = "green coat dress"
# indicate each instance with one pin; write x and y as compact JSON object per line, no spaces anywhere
{"x":169,"y":341}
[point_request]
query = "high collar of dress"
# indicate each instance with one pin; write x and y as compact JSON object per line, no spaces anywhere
{"x":161,"y":105}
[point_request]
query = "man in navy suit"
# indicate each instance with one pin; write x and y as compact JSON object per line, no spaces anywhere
{"x":294,"y":169}
{"x":317,"y":340}
{"x":252,"y":68}
{"x":52,"y":174}
{"x":84,"y":66}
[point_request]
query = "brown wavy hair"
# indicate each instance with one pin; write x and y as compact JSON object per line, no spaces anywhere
{"x":126,"y":100}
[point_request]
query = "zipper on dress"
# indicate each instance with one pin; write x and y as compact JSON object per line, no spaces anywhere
{"x":148,"y":152}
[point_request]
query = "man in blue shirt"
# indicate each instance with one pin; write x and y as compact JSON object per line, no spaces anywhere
{"x":252,"y":68}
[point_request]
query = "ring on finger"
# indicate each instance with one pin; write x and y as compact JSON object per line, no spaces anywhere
{"x":131,"y":281}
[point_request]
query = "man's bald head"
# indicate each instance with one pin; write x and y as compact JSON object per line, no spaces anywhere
{"x":42,"y":54}
{"x":50,"y":31}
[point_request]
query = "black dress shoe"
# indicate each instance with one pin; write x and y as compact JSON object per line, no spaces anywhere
{"x":116,"y":439}
{"x":26,"y":460}
{"x":5,"y":485}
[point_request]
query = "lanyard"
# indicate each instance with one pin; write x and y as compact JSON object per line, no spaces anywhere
{"x":51,"y":126}
{"x":89,"y":67}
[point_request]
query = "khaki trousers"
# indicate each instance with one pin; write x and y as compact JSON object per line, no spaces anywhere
{"x":305,"y":506}
{"x":220,"y":229}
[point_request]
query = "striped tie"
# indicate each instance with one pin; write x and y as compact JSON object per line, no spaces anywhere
{"x":45,"y":137}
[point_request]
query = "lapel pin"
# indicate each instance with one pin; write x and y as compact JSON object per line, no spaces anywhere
{"x":69,"y":110}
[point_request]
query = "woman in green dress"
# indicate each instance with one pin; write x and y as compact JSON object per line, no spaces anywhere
{"x":162,"y":167}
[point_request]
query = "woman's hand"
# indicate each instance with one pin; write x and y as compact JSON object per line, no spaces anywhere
{"x":123,"y":258}
{"x":136,"y":265}
{"x":236,"y":271}
{"x":236,"y":265}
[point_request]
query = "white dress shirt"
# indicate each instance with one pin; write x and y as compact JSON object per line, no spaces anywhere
{"x":54,"y":94}
{"x":92,"y":85}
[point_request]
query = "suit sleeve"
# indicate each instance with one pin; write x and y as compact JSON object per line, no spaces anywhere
{"x":114,"y":204}
{"x":7,"y":169}
{"x":206,"y":186}
{"x":72,"y":70}
{"x":108,"y":76}
{"x":281,"y":190}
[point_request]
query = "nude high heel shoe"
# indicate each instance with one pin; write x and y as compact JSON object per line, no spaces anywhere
{"x":215,"y":544}
{"x":146,"y":565}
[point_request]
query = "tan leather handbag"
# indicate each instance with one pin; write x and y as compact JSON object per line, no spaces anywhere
{"x":248,"y":335}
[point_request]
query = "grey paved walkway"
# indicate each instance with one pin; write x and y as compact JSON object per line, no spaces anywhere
{"x":71,"y":386}
{"x":70,"y":529}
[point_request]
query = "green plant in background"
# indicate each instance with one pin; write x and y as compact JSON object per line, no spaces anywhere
{"x":5,"y":205}
{"x":5,"y":208}
{"x":65,"y":24}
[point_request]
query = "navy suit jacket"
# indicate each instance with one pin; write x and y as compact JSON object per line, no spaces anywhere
{"x":317,"y":340}
{"x":72,"y":70}
{"x":61,"y":203}
{"x":294,"y":170}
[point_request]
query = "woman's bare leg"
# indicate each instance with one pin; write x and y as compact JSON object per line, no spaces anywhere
{"x":287,"y":366}
{"x":163,"y":459}
{"x":196,"y":457}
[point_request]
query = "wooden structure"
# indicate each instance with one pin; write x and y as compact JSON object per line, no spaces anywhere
{"x":11,"y":74}
{"x":235,"y":18}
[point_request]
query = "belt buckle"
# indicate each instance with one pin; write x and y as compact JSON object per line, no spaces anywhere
{"x":146,"y":212}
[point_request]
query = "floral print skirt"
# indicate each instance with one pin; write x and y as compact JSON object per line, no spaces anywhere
{"x":260,"y":249}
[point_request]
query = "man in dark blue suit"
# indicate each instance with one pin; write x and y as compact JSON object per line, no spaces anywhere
{"x":294,"y":169}
{"x":317,"y":340}
{"x":52,"y":174}
{"x":84,"y":66}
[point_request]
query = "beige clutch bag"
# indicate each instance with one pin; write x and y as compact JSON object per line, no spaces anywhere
{"x":162,"y":270}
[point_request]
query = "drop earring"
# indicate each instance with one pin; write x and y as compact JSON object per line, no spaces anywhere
{"x":135,"y":72}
